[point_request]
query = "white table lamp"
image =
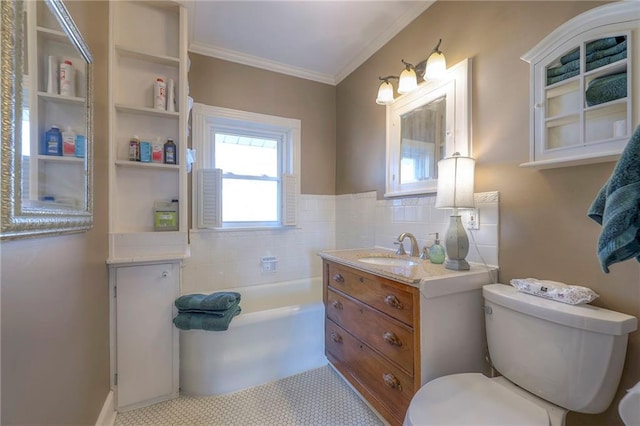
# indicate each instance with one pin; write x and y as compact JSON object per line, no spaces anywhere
{"x":455,"y":190}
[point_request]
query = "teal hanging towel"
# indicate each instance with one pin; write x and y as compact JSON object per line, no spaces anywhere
{"x":617,"y":209}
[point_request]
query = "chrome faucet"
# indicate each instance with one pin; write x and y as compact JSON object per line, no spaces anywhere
{"x":415,"y":250}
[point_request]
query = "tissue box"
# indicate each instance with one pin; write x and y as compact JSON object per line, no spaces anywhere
{"x":165,"y":216}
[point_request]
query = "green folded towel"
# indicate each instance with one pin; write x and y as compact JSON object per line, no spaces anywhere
{"x":559,"y":70}
{"x":617,"y":209}
{"x":602,"y":44}
{"x":552,"y":80}
{"x":606,"y":88}
{"x":599,"y":54}
{"x":606,"y":60}
{"x":208,"y":302}
{"x":205,"y":321}
{"x":571,"y":56}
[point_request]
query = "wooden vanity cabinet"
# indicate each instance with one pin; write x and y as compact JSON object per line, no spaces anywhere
{"x":372,"y":336}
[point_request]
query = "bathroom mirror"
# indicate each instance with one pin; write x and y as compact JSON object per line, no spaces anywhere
{"x":425,"y":126}
{"x":46,"y":185}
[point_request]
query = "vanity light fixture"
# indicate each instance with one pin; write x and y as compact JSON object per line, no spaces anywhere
{"x":432,"y":68}
{"x":408,"y":80}
{"x":455,"y":190}
{"x":385,"y":92}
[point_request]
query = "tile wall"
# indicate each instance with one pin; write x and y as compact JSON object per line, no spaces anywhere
{"x":229,"y":259}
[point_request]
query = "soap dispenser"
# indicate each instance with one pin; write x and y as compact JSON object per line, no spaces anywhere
{"x":436,"y":252}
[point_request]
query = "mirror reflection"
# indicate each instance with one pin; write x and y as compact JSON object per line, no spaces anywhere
{"x":46,"y":89}
{"x":422,"y":141}
{"x":53,"y":116}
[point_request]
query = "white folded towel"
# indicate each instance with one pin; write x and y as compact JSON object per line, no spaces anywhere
{"x":571,"y":294}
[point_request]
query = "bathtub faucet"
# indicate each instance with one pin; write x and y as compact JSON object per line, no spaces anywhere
{"x":415,"y":250}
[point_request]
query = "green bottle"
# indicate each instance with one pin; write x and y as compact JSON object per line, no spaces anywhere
{"x":436,"y":252}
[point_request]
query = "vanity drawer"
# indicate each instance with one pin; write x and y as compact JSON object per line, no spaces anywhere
{"x":391,"y":298}
{"x":388,"y":384}
{"x":388,"y":336}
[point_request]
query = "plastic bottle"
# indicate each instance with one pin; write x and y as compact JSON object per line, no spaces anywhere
{"x":171,"y":96}
{"x":67,"y":79}
{"x":160,"y":94}
{"x":69,"y":142}
{"x":436,"y":252}
{"x":52,"y":75}
{"x":52,"y":144}
{"x":81,"y":144}
{"x":157,"y":152}
{"x":170,"y":152}
{"x":134,"y":149}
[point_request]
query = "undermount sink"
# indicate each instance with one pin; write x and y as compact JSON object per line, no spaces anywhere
{"x":388,"y":261}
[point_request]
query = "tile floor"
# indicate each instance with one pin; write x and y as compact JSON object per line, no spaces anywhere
{"x":314,"y":398}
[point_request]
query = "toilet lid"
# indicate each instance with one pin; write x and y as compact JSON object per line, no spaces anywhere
{"x":471,"y":399}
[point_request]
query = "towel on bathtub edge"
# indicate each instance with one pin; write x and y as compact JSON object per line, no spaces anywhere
{"x":205,"y":321}
{"x":219,"y":301}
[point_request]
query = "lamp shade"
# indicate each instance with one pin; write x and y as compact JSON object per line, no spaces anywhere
{"x":385,"y":94}
{"x":455,"y":182}
{"x":408,"y":81}
{"x":436,"y":67}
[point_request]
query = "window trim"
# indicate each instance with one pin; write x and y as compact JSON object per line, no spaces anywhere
{"x":207,"y":118}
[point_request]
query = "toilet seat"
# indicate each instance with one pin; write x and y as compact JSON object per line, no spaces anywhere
{"x":471,"y":399}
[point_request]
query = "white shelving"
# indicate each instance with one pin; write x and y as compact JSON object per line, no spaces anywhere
{"x":138,"y":55}
{"x":567,"y":128}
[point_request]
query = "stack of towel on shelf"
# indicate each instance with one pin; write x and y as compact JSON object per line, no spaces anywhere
{"x":598,"y":53}
{"x":212,"y":312}
{"x":608,"y":87}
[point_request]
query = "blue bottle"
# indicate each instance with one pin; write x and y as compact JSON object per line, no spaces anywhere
{"x":436,"y":252}
{"x":52,"y":143}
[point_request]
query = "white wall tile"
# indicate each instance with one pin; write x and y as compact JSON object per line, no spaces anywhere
{"x":224,"y":259}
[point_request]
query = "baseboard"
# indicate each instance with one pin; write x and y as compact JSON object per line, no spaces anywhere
{"x":108,"y":413}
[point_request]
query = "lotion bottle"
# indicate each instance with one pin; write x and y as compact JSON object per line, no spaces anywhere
{"x":436,"y":252}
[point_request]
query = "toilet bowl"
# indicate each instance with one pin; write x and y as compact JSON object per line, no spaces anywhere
{"x":478,"y":400}
{"x":545,"y":350}
{"x":629,"y":407}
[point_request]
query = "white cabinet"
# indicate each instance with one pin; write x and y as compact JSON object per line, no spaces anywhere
{"x":147,"y":41}
{"x":583,"y":84}
{"x":144,"y":340}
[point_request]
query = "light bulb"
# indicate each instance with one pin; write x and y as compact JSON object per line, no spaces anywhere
{"x":436,"y":67}
{"x":408,"y":81}
{"x":385,"y":94}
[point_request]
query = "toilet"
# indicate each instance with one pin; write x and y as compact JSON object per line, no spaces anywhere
{"x":552,"y":357}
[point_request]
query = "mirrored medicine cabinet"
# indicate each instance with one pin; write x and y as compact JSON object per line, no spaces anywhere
{"x":425,"y":126}
{"x":45,"y":190}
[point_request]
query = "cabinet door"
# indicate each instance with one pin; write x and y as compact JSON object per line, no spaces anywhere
{"x":146,"y":338}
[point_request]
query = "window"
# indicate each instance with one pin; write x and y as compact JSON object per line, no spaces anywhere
{"x":247,"y":169}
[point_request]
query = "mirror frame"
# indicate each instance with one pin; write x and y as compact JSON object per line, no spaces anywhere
{"x":457,"y":88}
{"x":18,"y":220}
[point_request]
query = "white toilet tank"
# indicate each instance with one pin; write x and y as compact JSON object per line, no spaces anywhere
{"x":570,"y":355}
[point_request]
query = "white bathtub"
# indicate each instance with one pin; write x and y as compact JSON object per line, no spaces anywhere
{"x":280,"y":332}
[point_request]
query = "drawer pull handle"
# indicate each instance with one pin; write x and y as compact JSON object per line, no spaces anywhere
{"x":392,"y":382}
{"x":338,"y":278}
{"x":393,"y":301}
{"x":336,"y":337}
{"x":392,"y":339}
{"x":336,"y":304}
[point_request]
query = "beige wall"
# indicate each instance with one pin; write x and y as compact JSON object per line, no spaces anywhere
{"x":544,"y":231}
{"x":225,"y":84}
{"x":55,"y":304}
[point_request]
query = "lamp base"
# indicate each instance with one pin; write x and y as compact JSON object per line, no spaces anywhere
{"x":457,"y":245}
{"x":457,"y":264}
